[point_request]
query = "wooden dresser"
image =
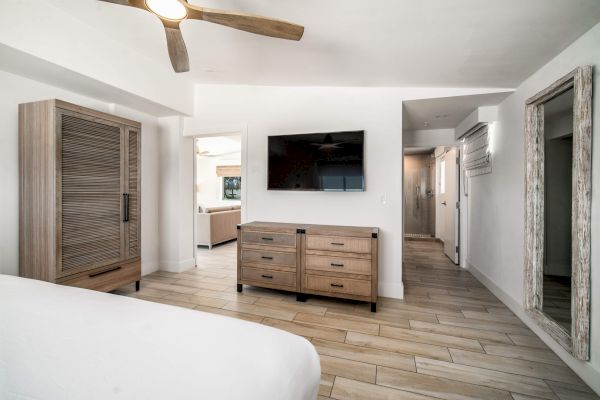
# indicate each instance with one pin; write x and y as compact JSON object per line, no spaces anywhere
{"x":335,"y":261}
{"x":80,"y":196}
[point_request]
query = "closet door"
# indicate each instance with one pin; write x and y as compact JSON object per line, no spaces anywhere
{"x":89,"y":192}
{"x":132,"y":193}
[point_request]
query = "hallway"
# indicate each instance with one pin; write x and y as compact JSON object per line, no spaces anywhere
{"x":449,"y":339}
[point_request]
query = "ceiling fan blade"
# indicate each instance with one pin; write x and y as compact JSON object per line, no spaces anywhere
{"x":177,"y":50}
{"x":246,"y":22}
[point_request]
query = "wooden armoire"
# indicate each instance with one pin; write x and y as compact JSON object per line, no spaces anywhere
{"x":80,"y":186}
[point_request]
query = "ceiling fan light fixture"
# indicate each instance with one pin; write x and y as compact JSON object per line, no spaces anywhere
{"x":168,"y":9}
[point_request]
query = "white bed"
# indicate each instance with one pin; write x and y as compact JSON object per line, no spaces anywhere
{"x":59,"y":342}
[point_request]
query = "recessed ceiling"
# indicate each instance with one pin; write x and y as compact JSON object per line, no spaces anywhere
{"x":217,"y":146}
{"x":458,"y":43}
{"x":445,"y":112}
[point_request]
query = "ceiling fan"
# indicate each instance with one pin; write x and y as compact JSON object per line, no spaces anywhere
{"x":328,"y":143}
{"x":173,"y":12}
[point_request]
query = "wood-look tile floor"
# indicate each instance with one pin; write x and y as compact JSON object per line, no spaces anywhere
{"x":450,"y":338}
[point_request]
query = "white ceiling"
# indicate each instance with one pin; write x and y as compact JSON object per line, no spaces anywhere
{"x":445,"y":112}
{"x":218,"y":146}
{"x":457,"y":43}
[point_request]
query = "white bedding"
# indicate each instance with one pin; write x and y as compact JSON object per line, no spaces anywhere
{"x":59,"y":342}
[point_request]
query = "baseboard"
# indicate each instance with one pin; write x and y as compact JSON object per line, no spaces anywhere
{"x":149,"y":267}
{"x":391,"y":290}
{"x":584,"y":370}
{"x":177,"y":267}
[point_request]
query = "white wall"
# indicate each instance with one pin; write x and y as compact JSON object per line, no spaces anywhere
{"x":285,"y":110}
{"x":496,"y":201}
{"x":176,"y":205}
{"x":16,"y":90}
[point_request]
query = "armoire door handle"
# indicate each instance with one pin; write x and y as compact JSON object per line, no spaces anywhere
{"x":104,"y":272}
{"x":125,"y":207}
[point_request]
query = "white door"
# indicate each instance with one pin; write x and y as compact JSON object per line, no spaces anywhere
{"x":451,"y":206}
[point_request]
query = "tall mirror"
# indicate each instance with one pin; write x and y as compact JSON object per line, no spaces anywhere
{"x":558,"y":179}
{"x":558,"y":207}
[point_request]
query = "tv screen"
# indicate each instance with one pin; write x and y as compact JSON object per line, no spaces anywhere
{"x":317,"y":161}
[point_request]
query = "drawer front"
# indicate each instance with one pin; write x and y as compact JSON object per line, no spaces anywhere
{"x":268,"y":276}
{"x":269,"y":238}
{"x":337,"y":243}
{"x":339,"y":264}
{"x":269,"y":257}
{"x":338,"y":285}
{"x":107,"y":279}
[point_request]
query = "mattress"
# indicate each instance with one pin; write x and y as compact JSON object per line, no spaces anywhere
{"x":59,"y":342}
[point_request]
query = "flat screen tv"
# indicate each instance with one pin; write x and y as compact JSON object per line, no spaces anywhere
{"x":317,"y":161}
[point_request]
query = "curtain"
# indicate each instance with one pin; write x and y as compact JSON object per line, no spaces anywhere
{"x":476,"y":153}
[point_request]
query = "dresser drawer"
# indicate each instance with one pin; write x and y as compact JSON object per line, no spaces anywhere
{"x":268,"y":276}
{"x":337,"y":243}
{"x":269,"y":238}
{"x":107,"y":278}
{"x":269,"y":257}
{"x":329,"y":284}
{"x":339,"y":264}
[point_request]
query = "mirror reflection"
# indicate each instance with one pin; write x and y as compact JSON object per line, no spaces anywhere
{"x":558,"y":163}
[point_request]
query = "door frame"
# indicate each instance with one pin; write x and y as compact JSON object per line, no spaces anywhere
{"x":457,"y":205}
{"x":461,"y":209}
{"x":235,"y":130}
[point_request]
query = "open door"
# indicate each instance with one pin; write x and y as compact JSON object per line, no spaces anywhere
{"x":450,"y":201}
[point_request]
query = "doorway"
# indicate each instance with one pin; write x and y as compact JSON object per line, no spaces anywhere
{"x":431,"y":197}
{"x":218,"y":193}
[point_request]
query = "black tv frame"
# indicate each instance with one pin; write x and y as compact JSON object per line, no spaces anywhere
{"x":364,"y":188}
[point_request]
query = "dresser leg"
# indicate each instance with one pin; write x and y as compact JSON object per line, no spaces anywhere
{"x":300,"y":297}
{"x":137,"y":286}
{"x":239,"y":287}
{"x":373,"y":307}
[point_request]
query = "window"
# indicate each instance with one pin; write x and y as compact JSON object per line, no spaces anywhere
{"x":476,"y":152}
{"x":442,"y":176}
{"x":232,"y":188}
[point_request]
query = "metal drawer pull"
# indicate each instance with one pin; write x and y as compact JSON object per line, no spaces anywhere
{"x":267,"y":238}
{"x":267,"y":276}
{"x":337,"y":244}
{"x":337,"y":265}
{"x":337,"y":285}
{"x":104,"y":272}
{"x":267,"y":258}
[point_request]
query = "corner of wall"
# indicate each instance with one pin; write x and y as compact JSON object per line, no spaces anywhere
{"x":392,"y":290}
{"x":177,"y":266}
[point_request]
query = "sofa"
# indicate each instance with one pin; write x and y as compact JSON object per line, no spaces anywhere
{"x":216,"y":225}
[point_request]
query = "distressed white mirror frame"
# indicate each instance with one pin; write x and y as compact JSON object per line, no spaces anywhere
{"x":577,"y":340}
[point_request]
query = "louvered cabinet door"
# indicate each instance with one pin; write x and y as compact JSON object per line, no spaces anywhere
{"x":133,"y":193}
{"x":90,"y":185}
